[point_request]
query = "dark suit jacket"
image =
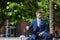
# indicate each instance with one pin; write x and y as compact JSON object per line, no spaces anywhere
{"x":43,"y":26}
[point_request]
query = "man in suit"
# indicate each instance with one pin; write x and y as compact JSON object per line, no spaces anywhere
{"x":39,"y":27}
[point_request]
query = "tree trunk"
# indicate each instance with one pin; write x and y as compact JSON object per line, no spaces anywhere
{"x":52,"y":28}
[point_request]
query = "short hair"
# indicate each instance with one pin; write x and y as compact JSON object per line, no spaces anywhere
{"x":38,"y":12}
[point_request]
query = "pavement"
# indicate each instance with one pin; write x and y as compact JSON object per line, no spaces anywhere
{"x":10,"y":38}
{"x":14,"y":38}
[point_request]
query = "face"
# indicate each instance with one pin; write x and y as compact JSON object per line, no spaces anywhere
{"x":39,"y":15}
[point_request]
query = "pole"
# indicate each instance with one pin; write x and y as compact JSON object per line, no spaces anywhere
{"x":7,"y":28}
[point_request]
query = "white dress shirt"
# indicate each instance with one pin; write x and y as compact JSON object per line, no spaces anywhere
{"x":38,"y":22}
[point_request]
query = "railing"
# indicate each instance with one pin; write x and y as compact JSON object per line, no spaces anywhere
{"x":9,"y":33}
{"x":12,"y":31}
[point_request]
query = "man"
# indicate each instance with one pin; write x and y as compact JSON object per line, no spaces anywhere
{"x":39,"y":27}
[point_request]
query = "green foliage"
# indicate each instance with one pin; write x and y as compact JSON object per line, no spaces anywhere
{"x":57,"y":14}
{"x":25,"y":10}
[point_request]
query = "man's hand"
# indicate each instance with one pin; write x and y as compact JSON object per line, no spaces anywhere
{"x":27,"y":27}
{"x":40,"y":34}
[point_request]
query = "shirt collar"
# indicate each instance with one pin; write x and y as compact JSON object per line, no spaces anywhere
{"x":39,"y":19}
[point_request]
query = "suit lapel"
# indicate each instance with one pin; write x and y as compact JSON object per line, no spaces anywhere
{"x":36,"y":23}
{"x":40,"y":23}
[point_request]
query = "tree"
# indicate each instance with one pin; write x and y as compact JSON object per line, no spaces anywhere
{"x":14,"y":10}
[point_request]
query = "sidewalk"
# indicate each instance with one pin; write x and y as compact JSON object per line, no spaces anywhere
{"x":10,"y":38}
{"x":13,"y":38}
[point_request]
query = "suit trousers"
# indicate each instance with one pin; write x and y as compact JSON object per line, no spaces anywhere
{"x":45,"y":36}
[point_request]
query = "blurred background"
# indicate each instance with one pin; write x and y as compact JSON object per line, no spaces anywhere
{"x":16,"y":14}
